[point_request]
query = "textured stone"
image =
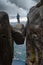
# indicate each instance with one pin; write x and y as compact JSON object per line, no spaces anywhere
{"x":34,"y":36}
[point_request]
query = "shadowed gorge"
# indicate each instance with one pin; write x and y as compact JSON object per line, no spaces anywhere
{"x":7,"y":39}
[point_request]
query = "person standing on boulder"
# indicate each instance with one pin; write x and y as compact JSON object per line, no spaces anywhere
{"x":18,"y":17}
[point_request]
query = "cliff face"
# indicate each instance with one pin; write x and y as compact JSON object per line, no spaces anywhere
{"x":40,"y":3}
{"x":34,"y":36}
{"x":6,"y":46}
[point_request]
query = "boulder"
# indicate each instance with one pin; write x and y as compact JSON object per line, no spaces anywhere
{"x":17,"y":33}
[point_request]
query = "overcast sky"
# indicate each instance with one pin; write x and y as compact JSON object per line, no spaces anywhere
{"x":12,"y":7}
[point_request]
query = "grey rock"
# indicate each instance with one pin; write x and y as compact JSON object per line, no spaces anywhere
{"x":34,"y":36}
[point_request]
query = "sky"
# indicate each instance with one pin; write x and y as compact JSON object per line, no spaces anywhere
{"x":12,"y":7}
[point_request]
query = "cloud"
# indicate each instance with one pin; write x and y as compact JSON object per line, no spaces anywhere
{"x":23,"y":4}
{"x":10,"y":8}
{"x":15,"y":9}
{"x":2,"y":5}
